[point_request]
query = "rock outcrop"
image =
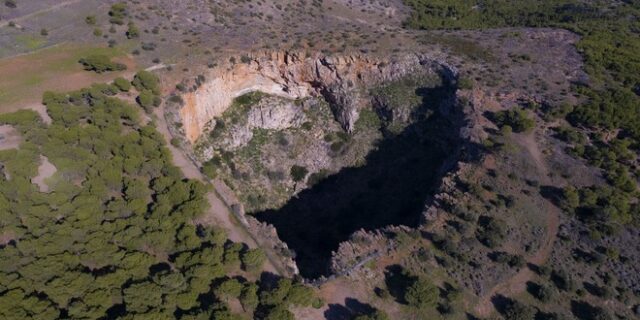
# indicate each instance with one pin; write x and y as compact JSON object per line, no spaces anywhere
{"x":270,"y":113}
{"x":275,"y":115}
{"x":340,"y":80}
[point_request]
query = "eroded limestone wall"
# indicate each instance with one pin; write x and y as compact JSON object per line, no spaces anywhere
{"x":342,"y":80}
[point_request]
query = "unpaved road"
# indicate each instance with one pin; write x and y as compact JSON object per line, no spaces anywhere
{"x":517,"y":283}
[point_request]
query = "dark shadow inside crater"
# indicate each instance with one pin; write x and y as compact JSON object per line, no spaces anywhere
{"x":390,"y":189}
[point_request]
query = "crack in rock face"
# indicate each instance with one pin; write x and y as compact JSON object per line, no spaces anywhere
{"x":341,"y":81}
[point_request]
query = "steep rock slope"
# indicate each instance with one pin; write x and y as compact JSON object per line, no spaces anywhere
{"x":341,"y":80}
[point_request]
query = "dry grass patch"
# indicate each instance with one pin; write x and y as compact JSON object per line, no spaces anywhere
{"x":26,"y":77}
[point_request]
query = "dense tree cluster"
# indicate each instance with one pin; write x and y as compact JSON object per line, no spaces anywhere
{"x":114,"y":237}
{"x":599,"y":204}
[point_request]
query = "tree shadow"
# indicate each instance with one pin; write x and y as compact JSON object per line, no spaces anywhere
{"x":533,"y":288}
{"x":116,"y":311}
{"x":337,"y":312}
{"x":584,"y":311}
{"x":390,"y":189}
{"x":269,"y":280}
{"x":501,"y":303}
{"x":351,"y":308}
{"x":552,"y":193}
{"x":397,"y":281}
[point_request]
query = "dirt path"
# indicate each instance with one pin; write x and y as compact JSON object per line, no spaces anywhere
{"x":41,"y":109}
{"x":158,"y":67}
{"x":39,"y":12}
{"x":219,"y":214}
{"x":517,"y":283}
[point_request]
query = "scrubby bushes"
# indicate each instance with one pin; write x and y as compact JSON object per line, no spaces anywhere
{"x":101,"y":63}
{"x":516,"y":118}
{"x":118,"y":13}
{"x":422,"y":294}
{"x":253,"y":259}
{"x":148,"y":86}
{"x":90,"y":20}
{"x":123,"y":84}
{"x":598,"y":204}
{"x":544,"y":293}
{"x":465,"y":83}
{"x":132,"y":31}
{"x":210,"y":168}
{"x":275,"y":301}
{"x":513,"y":260}
{"x":516,"y":310}
{"x":375,"y":315}
{"x":491,"y":231}
{"x":298,"y":173}
{"x":570,"y":135}
{"x":145,"y":99}
{"x":145,"y":80}
{"x":563,"y":280}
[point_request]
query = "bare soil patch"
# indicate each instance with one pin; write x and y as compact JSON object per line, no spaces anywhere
{"x":9,"y":137}
{"x":45,"y":171}
{"x":6,"y":237}
{"x":42,"y":111}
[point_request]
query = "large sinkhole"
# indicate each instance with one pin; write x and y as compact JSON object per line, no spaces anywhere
{"x":317,"y":184}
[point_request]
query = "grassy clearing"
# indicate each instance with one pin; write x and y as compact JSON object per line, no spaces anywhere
{"x":31,"y":42}
{"x":25,"y":78}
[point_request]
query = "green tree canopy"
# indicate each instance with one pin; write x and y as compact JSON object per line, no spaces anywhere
{"x":422,"y":294}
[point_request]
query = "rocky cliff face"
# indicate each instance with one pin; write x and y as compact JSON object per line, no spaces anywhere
{"x":343,"y":81}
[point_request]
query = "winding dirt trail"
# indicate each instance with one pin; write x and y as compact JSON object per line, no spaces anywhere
{"x":517,"y":283}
